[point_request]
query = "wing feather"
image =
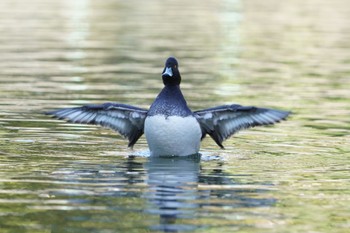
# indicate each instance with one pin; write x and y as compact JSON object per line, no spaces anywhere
{"x":223,"y":121}
{"x":125,"y":119}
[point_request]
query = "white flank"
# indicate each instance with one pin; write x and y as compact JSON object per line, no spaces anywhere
{"x":173,"y":135}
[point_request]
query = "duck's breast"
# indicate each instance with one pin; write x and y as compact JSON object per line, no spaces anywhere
{"x":172,"y":135}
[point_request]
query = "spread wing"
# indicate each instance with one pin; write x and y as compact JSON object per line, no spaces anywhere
{"x":223,"y":121}
{"x":125,"y":119}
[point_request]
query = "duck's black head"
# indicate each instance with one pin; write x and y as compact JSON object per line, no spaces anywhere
{"x":171,"y":74}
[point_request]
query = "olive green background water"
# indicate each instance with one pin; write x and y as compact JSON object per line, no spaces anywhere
{"x":291,"y":55}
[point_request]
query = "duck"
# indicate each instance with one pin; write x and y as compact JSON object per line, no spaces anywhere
{"x":171,"y":128}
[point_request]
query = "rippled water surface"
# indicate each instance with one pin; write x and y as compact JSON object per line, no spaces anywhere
{"x":291,"y":55}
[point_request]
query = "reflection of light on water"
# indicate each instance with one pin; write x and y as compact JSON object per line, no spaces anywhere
{"x":143,"y":153}
{"x":230,"y":45}
{"x":77,"y":25}
{"x":77,"y":30}
{"x":227,"y":90}
{"x":230,"y":21}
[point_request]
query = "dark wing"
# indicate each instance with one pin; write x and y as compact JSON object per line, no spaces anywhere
{"x":125,"y":119}
{"x":223,"y":121}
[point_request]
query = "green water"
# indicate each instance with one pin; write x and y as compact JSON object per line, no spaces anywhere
{"x":290,"y":55}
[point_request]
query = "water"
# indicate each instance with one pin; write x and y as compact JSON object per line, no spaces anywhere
{"x":59,"y":177}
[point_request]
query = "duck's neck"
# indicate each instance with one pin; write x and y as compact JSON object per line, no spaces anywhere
{"x":172,"y":93}
{"x":170,"y":101}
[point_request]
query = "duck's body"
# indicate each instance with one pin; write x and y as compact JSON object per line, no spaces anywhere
{"x":170,"y":127}
{"x":173,"y":135}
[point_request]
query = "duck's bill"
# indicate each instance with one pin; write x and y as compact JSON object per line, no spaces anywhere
{"x":168,"y":72}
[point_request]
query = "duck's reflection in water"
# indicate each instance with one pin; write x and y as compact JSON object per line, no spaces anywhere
{"x":172,"y":190}
{"x":175,"y":196}
{"x":184,"y":193}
